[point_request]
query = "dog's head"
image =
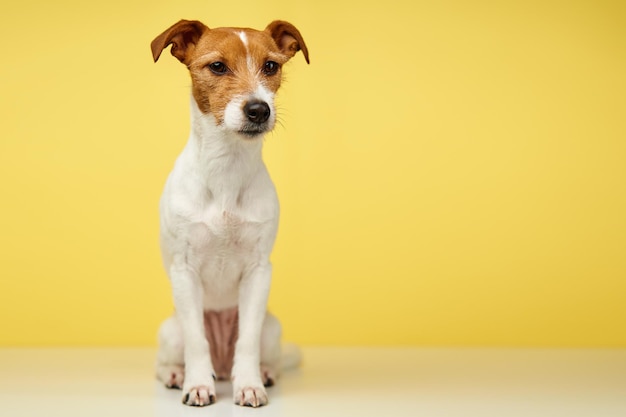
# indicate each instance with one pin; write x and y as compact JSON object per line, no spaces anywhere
{"x":235,"y":72}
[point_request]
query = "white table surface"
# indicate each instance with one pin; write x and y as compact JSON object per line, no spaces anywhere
{"x":380,"y":382}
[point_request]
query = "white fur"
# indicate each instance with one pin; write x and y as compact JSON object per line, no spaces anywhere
{"x":219,"y":217}
{"x":249,"y":61}
{"x":244,"y":39}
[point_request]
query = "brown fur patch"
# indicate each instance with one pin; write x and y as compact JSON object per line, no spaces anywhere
{"x":213,"y":92}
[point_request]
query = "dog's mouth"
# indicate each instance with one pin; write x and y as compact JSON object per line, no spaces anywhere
{"x":252,"y":130}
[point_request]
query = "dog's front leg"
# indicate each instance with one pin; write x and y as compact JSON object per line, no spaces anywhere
{"x":253,"y":293}
{"x":199,"y":385}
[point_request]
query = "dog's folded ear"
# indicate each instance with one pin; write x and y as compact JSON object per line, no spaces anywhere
{"x":183,"y":37}
{"x":287,"y":38}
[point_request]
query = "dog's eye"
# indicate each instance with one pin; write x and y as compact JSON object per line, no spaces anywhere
{"x":218,"y":68}
{"x":270,"y":68}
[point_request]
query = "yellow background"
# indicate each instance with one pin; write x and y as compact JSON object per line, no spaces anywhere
{"x":450,"y":173}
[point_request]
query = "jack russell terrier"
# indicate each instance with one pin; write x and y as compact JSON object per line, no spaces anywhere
{"x":219,"y":214}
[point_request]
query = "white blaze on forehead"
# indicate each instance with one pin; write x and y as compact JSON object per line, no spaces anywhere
{"x":244,"y":40}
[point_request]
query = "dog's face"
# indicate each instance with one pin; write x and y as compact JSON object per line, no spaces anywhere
{"x":235,"y":72}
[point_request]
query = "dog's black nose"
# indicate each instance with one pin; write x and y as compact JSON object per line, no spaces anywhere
{"x":257,"y":111}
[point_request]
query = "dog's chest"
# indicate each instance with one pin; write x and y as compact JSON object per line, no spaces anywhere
{"x":225,"y":232}
{"x":219,"y":216}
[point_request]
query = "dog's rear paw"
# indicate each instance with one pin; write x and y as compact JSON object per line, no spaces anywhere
{"x":199,"y":396}
{"x":268,"y":375}
{"x":172,"y":376}
{"x":251,"y":396}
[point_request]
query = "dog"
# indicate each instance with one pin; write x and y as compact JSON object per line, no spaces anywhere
{"x":219,"y":214}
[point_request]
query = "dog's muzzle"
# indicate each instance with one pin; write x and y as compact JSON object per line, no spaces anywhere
{"x":257,"y":113}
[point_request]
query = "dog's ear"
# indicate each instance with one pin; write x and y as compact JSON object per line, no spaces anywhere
{"x":183,"y":36}
{"x":287,"y":38}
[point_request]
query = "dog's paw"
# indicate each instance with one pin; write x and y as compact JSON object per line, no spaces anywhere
{"x":199,"y":396}
{"x":268,"y":375}
{"x":172,"y":376}
{"x":251,"y":396}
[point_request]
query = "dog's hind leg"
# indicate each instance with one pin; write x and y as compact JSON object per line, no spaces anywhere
{"x":270,"y":349}
{"x":170,"y":366}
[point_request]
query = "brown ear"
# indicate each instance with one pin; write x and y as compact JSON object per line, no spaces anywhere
{"x":183,"y":36}
{"x":288,"y":38}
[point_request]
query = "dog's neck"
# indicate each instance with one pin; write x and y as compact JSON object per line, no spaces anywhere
{"x":223,"y":160}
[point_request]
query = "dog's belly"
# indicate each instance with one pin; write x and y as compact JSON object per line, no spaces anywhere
{"x":221,"y":330}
